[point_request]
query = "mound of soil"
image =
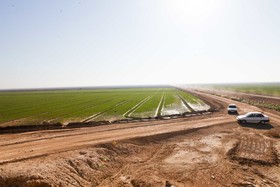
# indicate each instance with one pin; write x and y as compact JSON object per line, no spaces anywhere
{"x":187,"y":158}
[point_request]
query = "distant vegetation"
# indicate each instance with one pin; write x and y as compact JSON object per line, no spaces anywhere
{"x":37,"y":107}
{"x":272,"y":89}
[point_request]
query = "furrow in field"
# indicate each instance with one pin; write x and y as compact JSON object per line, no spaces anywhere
{"x":160,"y":105}
{"x":37,"y":106}
{"x":69,"y":106}
{"x":163,"y":104}
{"x":93,"y":117}
{"x":194,"y":103}
{"x":133,"y":109}
{"x":45,"y":115}
{"x":75,"y":110}
{"x":59,"y":117}
{"x":103,"y":112}
{"x":28,"y":118}
{"x":173,"y":105}
{"x":22,"y":106}
{"x":149,"y":108}
{"x":199,"y":106}
{"x":147,"y":99}
{"x":37,"y":111}
{"x":186,"y":104}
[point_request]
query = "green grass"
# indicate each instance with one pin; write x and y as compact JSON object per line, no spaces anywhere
{"x":149,"y":108}
{"x":34,"y":107}
{"x":188,"y":97}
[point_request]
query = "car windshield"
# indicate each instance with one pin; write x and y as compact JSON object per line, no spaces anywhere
{"x":232,"y":106}
{"x":251,"y":115}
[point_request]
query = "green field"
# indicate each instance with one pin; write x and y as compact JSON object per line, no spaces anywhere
{"x":272,"y":89}
{"x":36,"y":107}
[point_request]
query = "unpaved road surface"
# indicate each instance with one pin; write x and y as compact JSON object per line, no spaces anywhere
{"x":206,"y":150}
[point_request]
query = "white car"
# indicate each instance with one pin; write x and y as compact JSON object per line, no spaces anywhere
{"x":232,"y":108}
{"x":253,"y":117}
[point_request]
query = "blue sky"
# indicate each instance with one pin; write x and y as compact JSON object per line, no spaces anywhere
{"x":123,"y":42}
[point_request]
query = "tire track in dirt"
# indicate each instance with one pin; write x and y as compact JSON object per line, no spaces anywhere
{"x":74,"y":133}
{"x":34,"y":135}
{"x":244,"y":107}
{"x":21,"y":151}
{"x":143,"y":168}
{"x":89,"y":136}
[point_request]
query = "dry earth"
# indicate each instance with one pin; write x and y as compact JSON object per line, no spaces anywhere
{"x":257,"y":100}
{"x":206,"y":150}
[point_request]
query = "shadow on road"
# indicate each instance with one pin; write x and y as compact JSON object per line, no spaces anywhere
{"x":233,"y":113}
{"x":266,"y":126}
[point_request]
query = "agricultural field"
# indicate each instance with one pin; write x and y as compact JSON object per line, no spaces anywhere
{"x":37,"y":107}
{"x":265,"y":95}
{"x":272,"y":89}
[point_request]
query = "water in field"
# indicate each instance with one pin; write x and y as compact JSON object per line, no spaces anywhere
{"x":174,"y":109}
{"x":199,"y":107}
{"x":38,"y":107}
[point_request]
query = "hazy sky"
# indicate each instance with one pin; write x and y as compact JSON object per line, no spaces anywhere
{"x":63,"y":43}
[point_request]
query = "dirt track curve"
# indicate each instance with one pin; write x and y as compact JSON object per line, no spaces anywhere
{"x":112,"y":155}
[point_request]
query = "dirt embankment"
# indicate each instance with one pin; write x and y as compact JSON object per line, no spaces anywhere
{"x":194,"y":157}
{"x":71,"y":125}
{"x":204,"y":150}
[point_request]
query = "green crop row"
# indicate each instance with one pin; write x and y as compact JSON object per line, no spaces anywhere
{"x":34,"y":107}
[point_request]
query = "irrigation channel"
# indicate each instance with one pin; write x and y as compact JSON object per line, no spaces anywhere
{"x":66,"y":106}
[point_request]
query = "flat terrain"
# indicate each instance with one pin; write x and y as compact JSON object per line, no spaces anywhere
{"x":266,"y":101}
{"x":271,"y":89}
{"x":201,"y":150}
{"x":64,"y":106}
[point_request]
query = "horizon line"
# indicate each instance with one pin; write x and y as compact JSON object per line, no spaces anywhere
{"x":125,"y":86}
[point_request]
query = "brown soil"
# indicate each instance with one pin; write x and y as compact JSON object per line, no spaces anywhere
{"x":202,"y":150}
{"x":272,"y":102}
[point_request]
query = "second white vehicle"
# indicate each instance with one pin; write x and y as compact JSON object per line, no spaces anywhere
{"x":253,"y":117}
{"x":232,"y":108}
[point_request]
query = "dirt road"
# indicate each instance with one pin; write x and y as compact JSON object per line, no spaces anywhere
{"x":194,"y":151}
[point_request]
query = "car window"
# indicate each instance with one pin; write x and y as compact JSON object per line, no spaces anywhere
{"x":232,"y":106}
{"x":251,"y":115}
{"x":259,"y":115}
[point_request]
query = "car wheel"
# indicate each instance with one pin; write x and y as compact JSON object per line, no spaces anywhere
{"x":243,"y":121}
{"x":262,"y":122}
